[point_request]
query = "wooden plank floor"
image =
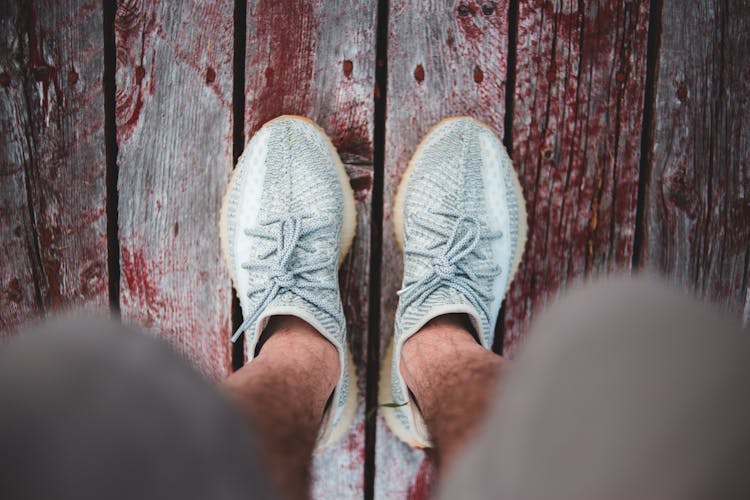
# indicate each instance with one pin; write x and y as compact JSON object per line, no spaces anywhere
{"x":120,"y":123}
{"x":174,"y":136}
{"x":578,"y":112}
{"x":52,"y":159}
{"x":697,"y":183}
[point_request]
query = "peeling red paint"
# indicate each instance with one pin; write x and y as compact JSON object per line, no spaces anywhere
{"x":351,"y":141}
{"x":288,"y":88}
{"x":129,"y":15}
{"x":48,"y":235}
{"x":354,"y":442}
{"x":421,"y":488}
{"x":573,"y":130}
{"x":167,"y":285}
{"x":139,"y":276}
{"x":466,"y":22}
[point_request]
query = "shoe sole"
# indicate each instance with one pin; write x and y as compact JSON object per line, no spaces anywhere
{"x":348,"y":230}
{"x":384,"y":393}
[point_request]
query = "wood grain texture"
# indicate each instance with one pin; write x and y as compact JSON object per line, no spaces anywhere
{"x":317,"y":59}
{"x":52,"y":159}
{"x":578,"y":113}
{"x":18,"y":253}
{"x":174,"y":133}
{"x":444,"y":59}
{"x":698,"y":194}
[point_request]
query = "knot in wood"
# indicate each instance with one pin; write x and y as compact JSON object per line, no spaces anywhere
{"x":464,"y":10}
{"x":41,"y":73}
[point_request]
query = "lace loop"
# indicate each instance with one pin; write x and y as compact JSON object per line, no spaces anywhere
{"x":447,"y":258}
{"x":443,"y":267}
{"x":283,"y":276}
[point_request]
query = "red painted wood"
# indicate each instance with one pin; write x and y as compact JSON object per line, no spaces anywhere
{"x":697,"y":202}
{"x":52,"y":159}
{"x":576,"y":144}
{"x":444,"y":59}
{"x":174,"y":131}
{"x":317,"y":59}
{"x":18,"y":294}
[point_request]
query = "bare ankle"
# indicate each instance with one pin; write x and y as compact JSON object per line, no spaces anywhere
{"x":283,"y":394}
{"x":451,"y":376}
{"x":292,"y":341}
{"x":295,"y":353}
{"x":441,"y":339}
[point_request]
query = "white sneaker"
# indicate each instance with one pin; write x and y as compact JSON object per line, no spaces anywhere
{"x":287,"y":221}
{"x":460,"y":220}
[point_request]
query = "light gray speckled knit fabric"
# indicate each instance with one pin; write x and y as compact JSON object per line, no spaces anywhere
{"x":461,"y":229}
{"x":284,"y":227}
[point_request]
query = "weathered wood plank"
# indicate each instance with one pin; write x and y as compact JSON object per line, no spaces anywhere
{"x":317,"y":59}
{"x":52,"y":158}
{"x":444,"y":59}
{"x":174,"y":132}
{"x":19,"y":299}
{"x":698,"y":195}
{"x":581,"y":70}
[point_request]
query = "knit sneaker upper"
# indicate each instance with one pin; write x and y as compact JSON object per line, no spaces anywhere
{"x":283,"y":237}
{"x":461,"y":223}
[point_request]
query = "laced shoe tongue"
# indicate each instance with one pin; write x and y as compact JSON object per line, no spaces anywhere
{"x":448,"y":268}
{"x":444,"y":268}
{"x":283,"y":273}
{"x":283,"y":278}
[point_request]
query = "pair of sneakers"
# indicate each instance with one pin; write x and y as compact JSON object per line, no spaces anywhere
{"x":289,"y":218}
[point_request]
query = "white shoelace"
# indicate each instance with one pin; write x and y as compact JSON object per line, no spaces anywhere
{"x":289,"y":234}
{"x":448,"y":261}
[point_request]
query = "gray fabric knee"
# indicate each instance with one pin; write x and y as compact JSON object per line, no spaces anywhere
{"x":91,"y":409}
{"x":625,"y":389}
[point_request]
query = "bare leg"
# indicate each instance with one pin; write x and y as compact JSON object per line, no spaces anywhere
{"x":283,"y":393}
{"x":452,"y":378}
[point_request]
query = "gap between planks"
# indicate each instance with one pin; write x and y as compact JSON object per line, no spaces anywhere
{"x":238,"y":138}
{"x":109,"y":8}
{"x":376,"y":241}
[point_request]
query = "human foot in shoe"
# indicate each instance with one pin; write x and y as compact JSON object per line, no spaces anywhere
{"x":287,"y":221}
{"x":460,"y":220}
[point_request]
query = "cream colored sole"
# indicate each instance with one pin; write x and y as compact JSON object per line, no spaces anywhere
{"x":385,"y":397}
{"x":350,"y":409}
{"x":384,"y":391}
{"x":348,"y":230}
